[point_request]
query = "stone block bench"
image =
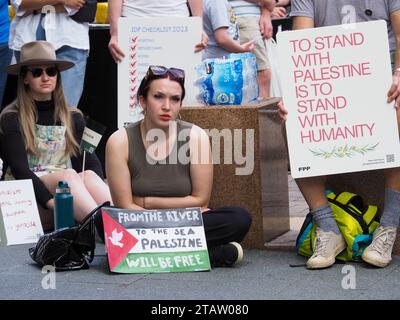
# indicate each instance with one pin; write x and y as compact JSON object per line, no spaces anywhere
{"x":263,"y":192}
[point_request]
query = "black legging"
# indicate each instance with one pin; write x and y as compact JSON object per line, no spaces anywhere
{"x":226,"y":224}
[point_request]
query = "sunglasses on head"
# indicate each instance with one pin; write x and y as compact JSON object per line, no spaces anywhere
{"x":37,"y":72}
{"x":174,"y":73}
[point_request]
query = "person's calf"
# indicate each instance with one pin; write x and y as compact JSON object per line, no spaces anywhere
{"x":391,"y":213}
{"x":264,"y":82}
{"x":323,"y":218}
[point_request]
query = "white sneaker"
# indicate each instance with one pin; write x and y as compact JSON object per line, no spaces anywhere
{"x":379,"y":252}
{"x":327,"y":246}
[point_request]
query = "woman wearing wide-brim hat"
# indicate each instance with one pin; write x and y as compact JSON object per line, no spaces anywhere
{"x":40,"y":134}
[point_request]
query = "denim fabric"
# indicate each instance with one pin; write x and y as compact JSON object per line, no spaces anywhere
{"x":73,"y":79}
{"x":5,"y":59}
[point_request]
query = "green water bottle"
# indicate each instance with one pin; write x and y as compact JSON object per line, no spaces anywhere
{"x":63,"y":206}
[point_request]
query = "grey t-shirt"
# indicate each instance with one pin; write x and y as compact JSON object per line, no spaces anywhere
{"x":218,"y":14}
{"x":334,"y":12}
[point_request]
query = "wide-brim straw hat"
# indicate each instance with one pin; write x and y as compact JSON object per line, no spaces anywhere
{"x":38,"y":53}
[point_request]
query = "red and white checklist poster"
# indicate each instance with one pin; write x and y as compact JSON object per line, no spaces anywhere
{"x":165,"y":41}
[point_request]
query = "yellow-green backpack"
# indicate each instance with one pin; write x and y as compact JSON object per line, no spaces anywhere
{"x":356,"y":222}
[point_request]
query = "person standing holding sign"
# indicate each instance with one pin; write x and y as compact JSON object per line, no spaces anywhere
{"x":329,"y":241}
{"x":40,"y":134}
{"x":152,"y":8}
{"x":176,"y":170}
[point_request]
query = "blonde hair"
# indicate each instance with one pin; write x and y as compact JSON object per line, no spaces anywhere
{"x":25,"y":107}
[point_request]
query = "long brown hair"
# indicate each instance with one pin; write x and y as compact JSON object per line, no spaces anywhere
{"x":24,"y":105}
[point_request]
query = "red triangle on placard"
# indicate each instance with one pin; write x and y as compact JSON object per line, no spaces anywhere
{"x":119,"y":242}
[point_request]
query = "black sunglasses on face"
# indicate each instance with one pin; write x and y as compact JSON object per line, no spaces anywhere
{"x":37,"y":72}
{"x":174,"y":73}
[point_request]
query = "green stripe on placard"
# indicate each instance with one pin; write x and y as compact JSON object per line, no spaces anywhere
{"x":86,"y":146}
{"x":164,"y":262}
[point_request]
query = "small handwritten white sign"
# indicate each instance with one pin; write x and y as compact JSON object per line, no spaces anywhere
{"x":19,"y":218}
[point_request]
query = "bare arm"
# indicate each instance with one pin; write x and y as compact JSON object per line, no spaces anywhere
{"x":302,"y":23}
{"x":280,"y":11}
{"x":38,"y":4}
{"x":268,"y":4}
{"x":394,"y":91}
{"x":265,"y":23}
{"x":196,"y":7}
{"x":225,"y":41}
{"x":118,"y":175}
{"x":114,"y":12}
{"x":283,"y":3}
{"x":201,"y":173}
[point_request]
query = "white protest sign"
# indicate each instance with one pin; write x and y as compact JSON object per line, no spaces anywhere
{"x":168,"y":42}
{"x":20,"y":221}
{"x":146,"y":241}
{"x":336,"y":83}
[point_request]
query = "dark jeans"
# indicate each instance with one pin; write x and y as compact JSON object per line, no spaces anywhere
{"x":226,"y":224}
{"x":5,"y":59}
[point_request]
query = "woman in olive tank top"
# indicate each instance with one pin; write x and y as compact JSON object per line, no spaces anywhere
{"x":162,"y":162}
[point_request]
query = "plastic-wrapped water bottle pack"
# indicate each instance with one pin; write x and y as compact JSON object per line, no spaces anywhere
{"x":228,"y":81}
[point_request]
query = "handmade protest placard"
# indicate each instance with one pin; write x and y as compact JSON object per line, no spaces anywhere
{"x":19,"y":218}
{"x":92,"y":135}
{"x":336,"y":82}
{"x":168,"y":42}
{"x":149,"y":241}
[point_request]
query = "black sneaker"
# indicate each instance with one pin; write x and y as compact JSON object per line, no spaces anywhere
{"x":226,"y":255}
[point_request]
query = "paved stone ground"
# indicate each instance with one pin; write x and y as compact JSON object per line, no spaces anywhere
{"x":262,"y":275}
{"x":297,"y":205}
{"x":298,"y":209}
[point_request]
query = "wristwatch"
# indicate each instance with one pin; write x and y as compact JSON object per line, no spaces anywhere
{"x":396,"y":70}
